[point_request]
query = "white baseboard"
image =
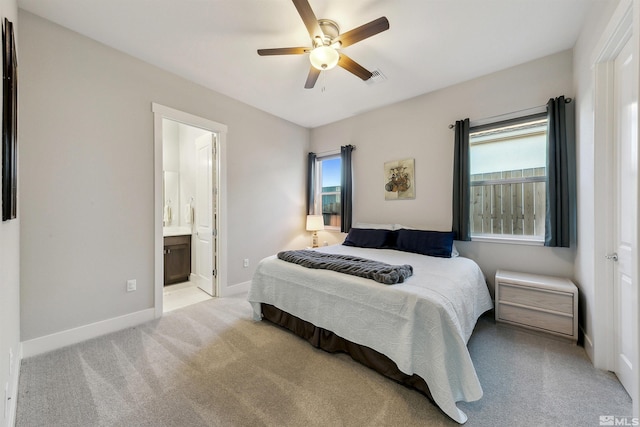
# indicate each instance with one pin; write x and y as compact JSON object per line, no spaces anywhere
{"x":588,"y":345}
{"x":61,"y":339}
{"x":13,"y":388}
{"x":238,"y":288}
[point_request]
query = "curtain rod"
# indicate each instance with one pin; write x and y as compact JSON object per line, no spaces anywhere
{"x":513,"y":114}
{"x":329,"y":152}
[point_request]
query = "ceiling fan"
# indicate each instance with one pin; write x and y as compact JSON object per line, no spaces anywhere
{"x":326,"y":40}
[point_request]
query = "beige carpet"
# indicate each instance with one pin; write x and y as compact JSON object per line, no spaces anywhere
{"x":211,"y":365}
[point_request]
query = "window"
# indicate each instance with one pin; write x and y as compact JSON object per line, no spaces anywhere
{"x":328,"y":190}
{"x":508,"y":179}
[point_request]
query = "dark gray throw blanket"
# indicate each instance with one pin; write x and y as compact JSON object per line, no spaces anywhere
{"x":356,"y":266}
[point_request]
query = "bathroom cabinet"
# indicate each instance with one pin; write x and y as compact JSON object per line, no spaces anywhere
{"x":177,"y":259}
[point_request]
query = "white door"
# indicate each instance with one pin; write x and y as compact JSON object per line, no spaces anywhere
{"x":205,"y":241}
{"x":625,"y":219}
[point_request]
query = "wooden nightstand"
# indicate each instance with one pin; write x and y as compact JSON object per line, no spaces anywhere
{"x":543,"y":303}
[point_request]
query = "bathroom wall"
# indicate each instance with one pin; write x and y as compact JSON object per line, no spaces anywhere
{"x":186,"y":137}
{"x":170,"y":175}
{"x":179,"y":156}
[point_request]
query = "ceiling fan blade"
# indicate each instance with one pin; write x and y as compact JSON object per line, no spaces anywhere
{"x":362,"y":32}
{"x":314,"y":73}
{"x":309,"y":19}
{"x":353,"y":67}
{"x":284,"y":51}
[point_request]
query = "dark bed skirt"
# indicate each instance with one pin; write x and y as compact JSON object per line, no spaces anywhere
{"x":328,"y":341}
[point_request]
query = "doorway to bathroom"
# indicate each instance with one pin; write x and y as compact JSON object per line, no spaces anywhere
{"x":189,"y":204}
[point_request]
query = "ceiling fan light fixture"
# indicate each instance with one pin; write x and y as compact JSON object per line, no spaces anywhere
{"x":324,"y":57}
{"x":326,"y":41}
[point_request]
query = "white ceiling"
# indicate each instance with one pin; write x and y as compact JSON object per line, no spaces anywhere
{"x":431,"y":44}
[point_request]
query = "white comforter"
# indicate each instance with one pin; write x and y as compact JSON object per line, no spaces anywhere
{"x":423,"y":324}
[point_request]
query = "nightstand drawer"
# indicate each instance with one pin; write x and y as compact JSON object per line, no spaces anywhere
{"x":538,"y":319}
{"x":548,"y":300}
{"x":544,"y":303}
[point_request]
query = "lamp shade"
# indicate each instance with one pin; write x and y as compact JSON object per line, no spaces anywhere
{"x":315,"y":222}
{"x":324,"y":57}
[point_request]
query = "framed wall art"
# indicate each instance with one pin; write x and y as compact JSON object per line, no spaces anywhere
{"x":399,"y":182}
{"x":9,"y":123}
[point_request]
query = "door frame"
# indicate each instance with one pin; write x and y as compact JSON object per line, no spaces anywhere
{"x":623,"y":26}
{"x":161,"y":112}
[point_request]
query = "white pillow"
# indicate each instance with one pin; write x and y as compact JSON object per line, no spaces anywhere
{"x":374,"y":226}
{"x":400,"y":227}
{"x":454,"y":251}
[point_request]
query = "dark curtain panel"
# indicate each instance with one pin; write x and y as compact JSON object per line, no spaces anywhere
{"x":561,"y":174}
{"x":346,"y":190}
{"x":311,"y":183}
{"x":461,"y":181}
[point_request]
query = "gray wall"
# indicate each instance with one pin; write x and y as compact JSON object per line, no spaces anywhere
{"x":87,"y":177}
{"x":10,"y":273}
{"x":418,"y":128}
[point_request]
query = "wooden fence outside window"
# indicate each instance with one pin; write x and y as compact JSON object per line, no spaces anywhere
{"x":509,"y":202}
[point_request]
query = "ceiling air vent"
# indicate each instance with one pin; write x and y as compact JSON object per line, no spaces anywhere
{"x":377,"y":77}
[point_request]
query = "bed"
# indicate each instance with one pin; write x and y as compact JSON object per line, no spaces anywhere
{"x":415,"y":331}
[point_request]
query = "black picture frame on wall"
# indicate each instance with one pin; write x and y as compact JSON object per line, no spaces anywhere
{"x":9,"y":123}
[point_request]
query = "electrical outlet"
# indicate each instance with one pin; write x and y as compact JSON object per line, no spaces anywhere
{"x":245,"y":263}
{"x":131,"y":285}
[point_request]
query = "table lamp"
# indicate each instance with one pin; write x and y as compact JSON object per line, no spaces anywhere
{"x":315,"y":223}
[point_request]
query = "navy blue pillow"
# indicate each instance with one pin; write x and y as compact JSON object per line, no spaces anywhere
{"x":432,"y":243}
{"x":370,"y":238}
